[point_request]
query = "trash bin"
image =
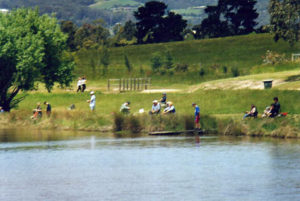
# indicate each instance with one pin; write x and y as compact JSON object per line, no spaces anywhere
{"x":268,"y":84}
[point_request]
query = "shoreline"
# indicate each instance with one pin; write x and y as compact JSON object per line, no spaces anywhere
{"x":223,"y":125}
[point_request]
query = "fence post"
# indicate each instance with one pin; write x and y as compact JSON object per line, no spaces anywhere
{"x":108,"y":85}
{"x":120,"y":84}
{"x":123,"y":84}
{"x":127,"y":84}
{"x":130,"y":84}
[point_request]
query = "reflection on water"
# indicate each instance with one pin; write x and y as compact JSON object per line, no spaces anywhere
{"x":45,"y":166}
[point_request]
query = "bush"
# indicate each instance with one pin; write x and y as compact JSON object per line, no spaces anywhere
{"x":235,"y":72}
{"x":182,"y":68}
{"x":133,"y":124}
{"x":156,"y":62}
{"x":118,"y":121}
{"x":201,"y":72}
{"x":225,"y":69}
{"x":273,"y":58}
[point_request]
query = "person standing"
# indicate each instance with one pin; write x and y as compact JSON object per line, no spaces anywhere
{"x":83,"y":84}
{"x":79,"y":83}
{"x":197,"y":115}
{"x":48,"y":109}
{"x":92,"y":101}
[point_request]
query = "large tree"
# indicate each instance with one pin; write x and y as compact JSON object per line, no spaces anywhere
{"x":229,"y":17}
{"x":285,"y":19}
{"x":155,"y":24}
{"x":31,"y":49}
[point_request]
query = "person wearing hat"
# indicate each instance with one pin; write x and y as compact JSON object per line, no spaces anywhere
{"x":155,"y":108}
{"x":125,"y":109}
{"x":197,"y":115}
{"x":170,"y":108}
{"x":92,"y":101}
{"x":163,"y":100}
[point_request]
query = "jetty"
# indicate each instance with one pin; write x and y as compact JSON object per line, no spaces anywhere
{"x":174,"y":133}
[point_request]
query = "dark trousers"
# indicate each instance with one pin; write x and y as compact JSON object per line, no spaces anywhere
{"x":83,"y":88}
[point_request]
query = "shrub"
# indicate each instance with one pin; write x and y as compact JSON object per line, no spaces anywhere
{"x":133,"y":124}
{"x":127,"y":63}
{"x":156,"y":62}
{"x":182,"y":68}
{"x":118,"y":121}
{"x":201,"y":72}
{"x":225,"y":69}
{"x":273,"y":58}
{"x":235,"y":72}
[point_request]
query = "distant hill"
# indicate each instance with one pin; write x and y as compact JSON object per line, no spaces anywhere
{"x":118,"y":11}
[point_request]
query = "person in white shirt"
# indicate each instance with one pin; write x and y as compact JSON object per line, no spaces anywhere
{"x":125,"y":109}
{"x":155,"y":108}
{"x":92,"y":101}
{"x":170,"y":108}
{"x":83,"y":84}
{"x":79,"y":83}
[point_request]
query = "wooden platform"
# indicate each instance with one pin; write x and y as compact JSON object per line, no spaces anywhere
{"x":188,"y":132}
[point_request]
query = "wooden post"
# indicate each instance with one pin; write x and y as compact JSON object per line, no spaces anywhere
{"x":138,"y":88}
{"x":108,"y":85}
{"x":127,"y":84}
{"x":146,"y":83}
{"x":130,"y":84}
{"x":123,"y":84}
{"x":134,"y":84}
{"x":120,"y":84}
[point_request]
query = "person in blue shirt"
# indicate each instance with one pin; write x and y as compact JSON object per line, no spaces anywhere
{"x":197,"y":115}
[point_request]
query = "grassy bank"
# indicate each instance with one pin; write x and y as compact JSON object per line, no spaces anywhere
{"x":218,"y":107}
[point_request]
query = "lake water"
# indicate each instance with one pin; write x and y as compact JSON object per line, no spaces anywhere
{"x":39,"y":166}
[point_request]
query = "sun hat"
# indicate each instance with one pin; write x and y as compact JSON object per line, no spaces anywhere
{"x":155,"y":101}
{"x":92,"y":92}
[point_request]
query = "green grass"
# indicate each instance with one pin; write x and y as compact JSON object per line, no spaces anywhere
{"x":241,"y":52}
{"x":211,"y":101}
{"x":104,"y":4}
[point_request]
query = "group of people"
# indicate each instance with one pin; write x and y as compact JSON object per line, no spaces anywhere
{"x":270,"y":111}
{"x":167,"y":106}
{"x":81,"y":84}
{"x":38,"y":112}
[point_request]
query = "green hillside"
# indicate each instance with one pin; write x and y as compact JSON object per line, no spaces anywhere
{"x":243,"y":53}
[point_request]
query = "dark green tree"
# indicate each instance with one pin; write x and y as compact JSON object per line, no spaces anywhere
{"x":69,"y":28}
{"x":154,"y":24}
{"x":284,"y":20}
{"x":91,"y":34}
{"x":31,"y":49}
{"x":229,"y":17}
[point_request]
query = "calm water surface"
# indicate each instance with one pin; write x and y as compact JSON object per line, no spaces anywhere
{"x":38,"y":166}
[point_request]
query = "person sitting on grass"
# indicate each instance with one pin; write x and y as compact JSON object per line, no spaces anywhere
{"x":267,"y":112}
{"x":275,"y":111}
{"x":155,"y":108}
{"x":163,"y":100}
{"x":37,"y":113}
{"x":170,"y":108}
{"x":252,"y":113}
{"x":125,"y":109}
{"x":197,"y":115}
